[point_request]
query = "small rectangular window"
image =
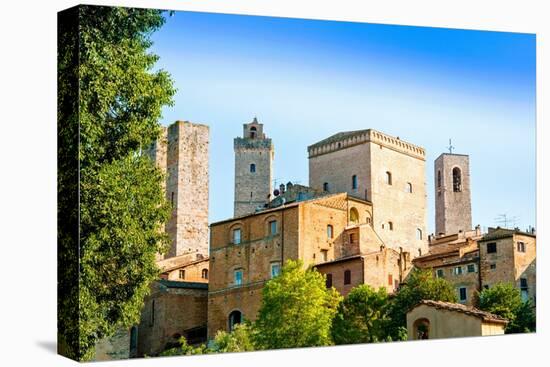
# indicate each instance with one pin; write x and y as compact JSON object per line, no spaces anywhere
{"x":523,"y":283}
{"x":238,"y":277}
{"x":182,"y":274}
{"x":347,"y":277}
{"x":273,"y":227}
{"x":275,"y":269}
{"x":491,"y":248}
{"x":471,"y":268}
{"x":458,"y":270}
{"x":493,"y":266}
{"x":462,"y":294}
{"x":390,"y":279}
{"x":352,"y":238}
{"x":324,"y":255}
{"x":521,"y":246}
{"x":330,"y":231}
{"x":237,"y":236}
{"x":329,"y":280}
{"x":354,"y":182}
{"x":440,"y":273}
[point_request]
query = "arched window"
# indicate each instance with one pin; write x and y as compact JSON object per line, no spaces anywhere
{"x":253,"y":132}
{"x":235,"y":318}
{"x":418,"y":234}
{"x":330,"y":231}
{"x":325,"y":186}
{"x":388,"y":178}
{"x":438,"y":178}
{"x":204,"y":274}
{"x":252,"y":168}
{"x":353,"y":215}
{"x":421,"y":329}
{"x":409,"y":188}
{"x":237,"y":236}
{"x":347,"y":277}
{"x":390,"y":226}
{"x":354,"y":182}
{"x":457,"y":180}
{"x":329,"y":280}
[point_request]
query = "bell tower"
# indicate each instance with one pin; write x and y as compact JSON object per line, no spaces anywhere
{"x":254,"y":154}
{"x":453,"y":208}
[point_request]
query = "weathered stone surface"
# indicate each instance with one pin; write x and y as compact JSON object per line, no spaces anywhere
{"x":252,"y":185}
{"x":182,"y":153}
{"x":453,"y":208}
{"x":370,"y":155}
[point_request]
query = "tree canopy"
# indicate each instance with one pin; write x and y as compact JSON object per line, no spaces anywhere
{"x":420,"y":285}
{"x":504,"y":300}
{"x":122,"y":208}
{"x":362,"y":317}
{"x":297,"y":309}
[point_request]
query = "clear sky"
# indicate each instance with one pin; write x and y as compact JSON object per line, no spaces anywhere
{"x":308,"y":79}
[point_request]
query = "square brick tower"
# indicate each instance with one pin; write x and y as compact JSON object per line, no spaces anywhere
{"x":254,"y":154}
{"x":182,"y":154}
{"x":453,"y":208}
{"x":385,"y":170}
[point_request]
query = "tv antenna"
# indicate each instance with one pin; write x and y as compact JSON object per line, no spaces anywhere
{"x":505,"y":221}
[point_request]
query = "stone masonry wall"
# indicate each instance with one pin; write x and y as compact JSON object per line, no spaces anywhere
{"x":182,"y":153}
{"x":453,"y":210}
{"x":252,"y":188}
{"x":175,"y":310}
{"x":369,"y":157}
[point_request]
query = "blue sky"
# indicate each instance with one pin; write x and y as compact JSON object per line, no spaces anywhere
{"x":308,"y":79}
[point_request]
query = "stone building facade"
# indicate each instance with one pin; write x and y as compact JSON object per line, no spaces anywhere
{"x":254,"y":154}
{"x":472,"y":261}
{"x":509,"y":256}
{"x":387,"y":171}
{"x":182,"y":154}
{"x":453,"y":208}
{"x":172,"y":310}
{"x":249,"y":250}
{"x":436,"y":320}
{"x":455,"y":258}
{"x":184,"y":268}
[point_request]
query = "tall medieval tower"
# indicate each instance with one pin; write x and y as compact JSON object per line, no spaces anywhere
{"x":453,"y":208}
{"x":182,"y":154}
{"x":385,"y":170}
{"x":254,"y":154}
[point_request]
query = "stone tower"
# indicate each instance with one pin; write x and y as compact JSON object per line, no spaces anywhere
{"x":182,"y":154}
{"x":385,"y":170}
{"x":254,"y":154}
{"x":453,"y":209}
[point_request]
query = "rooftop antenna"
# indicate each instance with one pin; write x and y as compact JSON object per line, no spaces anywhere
{"x":451,"y":147}
{"x":505,"y":221}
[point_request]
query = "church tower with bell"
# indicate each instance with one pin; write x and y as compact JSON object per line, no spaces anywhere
{"x":254,"y":153}
{"x":453,"y":208}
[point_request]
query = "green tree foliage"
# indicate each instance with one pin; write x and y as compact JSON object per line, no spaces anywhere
{"x":504,"y":300}
{"x":420,"y":285}
{"x":362,"y":317}
{"x":122,"y":208}
{"x":297,"y":309}
{"x":238,"y":340}
{"x":185,"y":349}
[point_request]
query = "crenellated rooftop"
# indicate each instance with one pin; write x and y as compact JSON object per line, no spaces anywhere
{"x":347,"y":139}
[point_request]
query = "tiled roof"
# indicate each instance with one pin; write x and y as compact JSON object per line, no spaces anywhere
{"x":457,"y":307}
{"x":499,"y":233}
